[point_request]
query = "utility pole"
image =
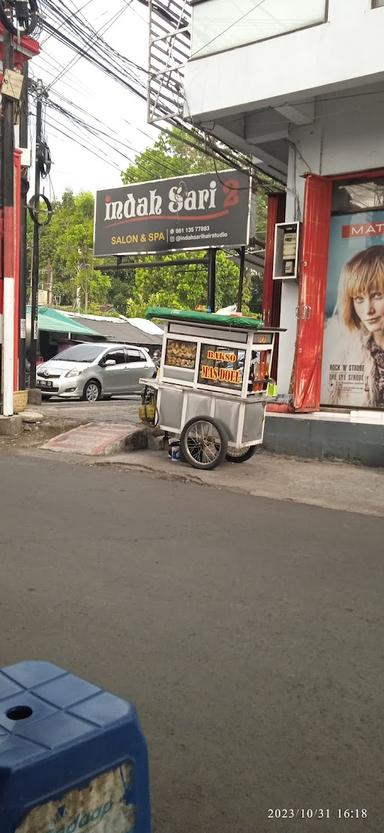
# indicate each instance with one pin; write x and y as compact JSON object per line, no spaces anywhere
{"x":86,"y":292}
{"x":212,"y":279}
{"x":23,"y":233}
{"x":7,"y":189}
{"x":241,"y":279}
{"x":18,"y":18}
{"x":50,"y":283}
{"x":36,"y":235}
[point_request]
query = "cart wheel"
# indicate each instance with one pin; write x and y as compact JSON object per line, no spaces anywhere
{"x":203,"y":443}
{"x":234,"y":456}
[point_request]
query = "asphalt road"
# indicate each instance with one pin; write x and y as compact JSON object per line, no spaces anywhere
{"x":248,"y":632}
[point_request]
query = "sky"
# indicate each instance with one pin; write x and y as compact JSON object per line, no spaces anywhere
{"x":88,"y":87}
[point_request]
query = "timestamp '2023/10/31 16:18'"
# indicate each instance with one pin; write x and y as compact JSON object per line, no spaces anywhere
{"x":318,"y":813}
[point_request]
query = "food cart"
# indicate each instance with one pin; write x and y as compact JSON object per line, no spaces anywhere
{"x":213,"y":384}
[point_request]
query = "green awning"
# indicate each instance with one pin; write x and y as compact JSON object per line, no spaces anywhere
{"x":54,"y":321}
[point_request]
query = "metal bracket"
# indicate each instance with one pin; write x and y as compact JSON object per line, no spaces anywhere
{"x":34,"y":209}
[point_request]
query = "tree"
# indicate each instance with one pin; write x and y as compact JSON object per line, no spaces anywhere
{"x":169,"y":156}
{"x":66,"y":249}
{"x":183,"y":287}
{"x":177,"y":286}
{"x":120,"y":289}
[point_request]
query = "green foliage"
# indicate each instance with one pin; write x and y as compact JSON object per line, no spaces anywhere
{"x":66,"y":251}
{"x":169,"y":156}
{"x":120,"y":289}
{"x":186,"y":287}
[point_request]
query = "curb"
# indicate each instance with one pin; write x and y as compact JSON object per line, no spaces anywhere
{"x":185,"y":477}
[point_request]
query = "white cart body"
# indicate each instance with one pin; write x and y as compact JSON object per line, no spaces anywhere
{"x":205,"y":370}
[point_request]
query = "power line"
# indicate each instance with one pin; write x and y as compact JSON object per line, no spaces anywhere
{"x":59,"y":129}
{"x":77,"y":58}
{"x":132,"y":83}
{"x":137,"y":92}
{"x":88,"y":2}
{"x":105,"y":138}
{"x":97,"y":130}
{"x":85,"y":32}
{"x":128,"y":3}
{"x":96,"y":51}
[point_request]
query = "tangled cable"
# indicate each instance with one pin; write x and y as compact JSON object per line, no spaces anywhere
{"x":25,"y":13}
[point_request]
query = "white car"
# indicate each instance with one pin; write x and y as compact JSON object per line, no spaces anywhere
{"x":92,"y":371}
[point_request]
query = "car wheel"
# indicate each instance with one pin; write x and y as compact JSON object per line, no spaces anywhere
{"x":203,"y":442}
{"x":92,"y":391}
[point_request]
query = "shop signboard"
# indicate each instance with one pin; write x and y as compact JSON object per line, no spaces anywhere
{"x":191,"y":212}
{"x":353,"y":348}
{"x":221,"y":367}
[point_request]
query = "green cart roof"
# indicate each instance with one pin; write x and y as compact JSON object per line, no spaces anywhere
{"x":209,"y":318}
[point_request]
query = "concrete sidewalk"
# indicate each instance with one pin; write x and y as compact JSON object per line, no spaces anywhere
{"x":329,"y":484}
{"x":332,"y":485}
{"x":98,"y":439}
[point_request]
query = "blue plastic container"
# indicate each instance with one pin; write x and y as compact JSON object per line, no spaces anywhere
{"x":73,"y":758}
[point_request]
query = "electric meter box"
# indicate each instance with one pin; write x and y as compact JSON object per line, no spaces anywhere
{"x":286,"y":253}
{"x":73,"y":757}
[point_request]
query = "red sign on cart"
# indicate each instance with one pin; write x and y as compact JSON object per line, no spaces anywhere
{"x":221,"y":367}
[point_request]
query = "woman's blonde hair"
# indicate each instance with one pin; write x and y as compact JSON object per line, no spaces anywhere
{"x":363,"y":273}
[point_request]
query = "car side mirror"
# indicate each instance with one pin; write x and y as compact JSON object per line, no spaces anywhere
{"x":109,"y":363}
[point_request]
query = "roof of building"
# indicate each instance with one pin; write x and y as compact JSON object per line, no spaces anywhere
{"x":120,"y":329}
{"x":55,"y":321}
{"x":147,"y":326}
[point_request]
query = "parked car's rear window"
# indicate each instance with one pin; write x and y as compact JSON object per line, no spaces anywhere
{"x":79,"y":353}
{"x":135,"y":356}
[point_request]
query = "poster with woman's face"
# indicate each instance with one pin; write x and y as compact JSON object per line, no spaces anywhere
{"x":353,"y":347}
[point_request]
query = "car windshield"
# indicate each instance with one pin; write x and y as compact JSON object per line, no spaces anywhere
{"x":79,"y":353}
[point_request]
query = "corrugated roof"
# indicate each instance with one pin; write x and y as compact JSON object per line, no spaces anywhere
{"x":116,"y":329}
{"x":54,"y":321}
{"x":146,"y":326}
